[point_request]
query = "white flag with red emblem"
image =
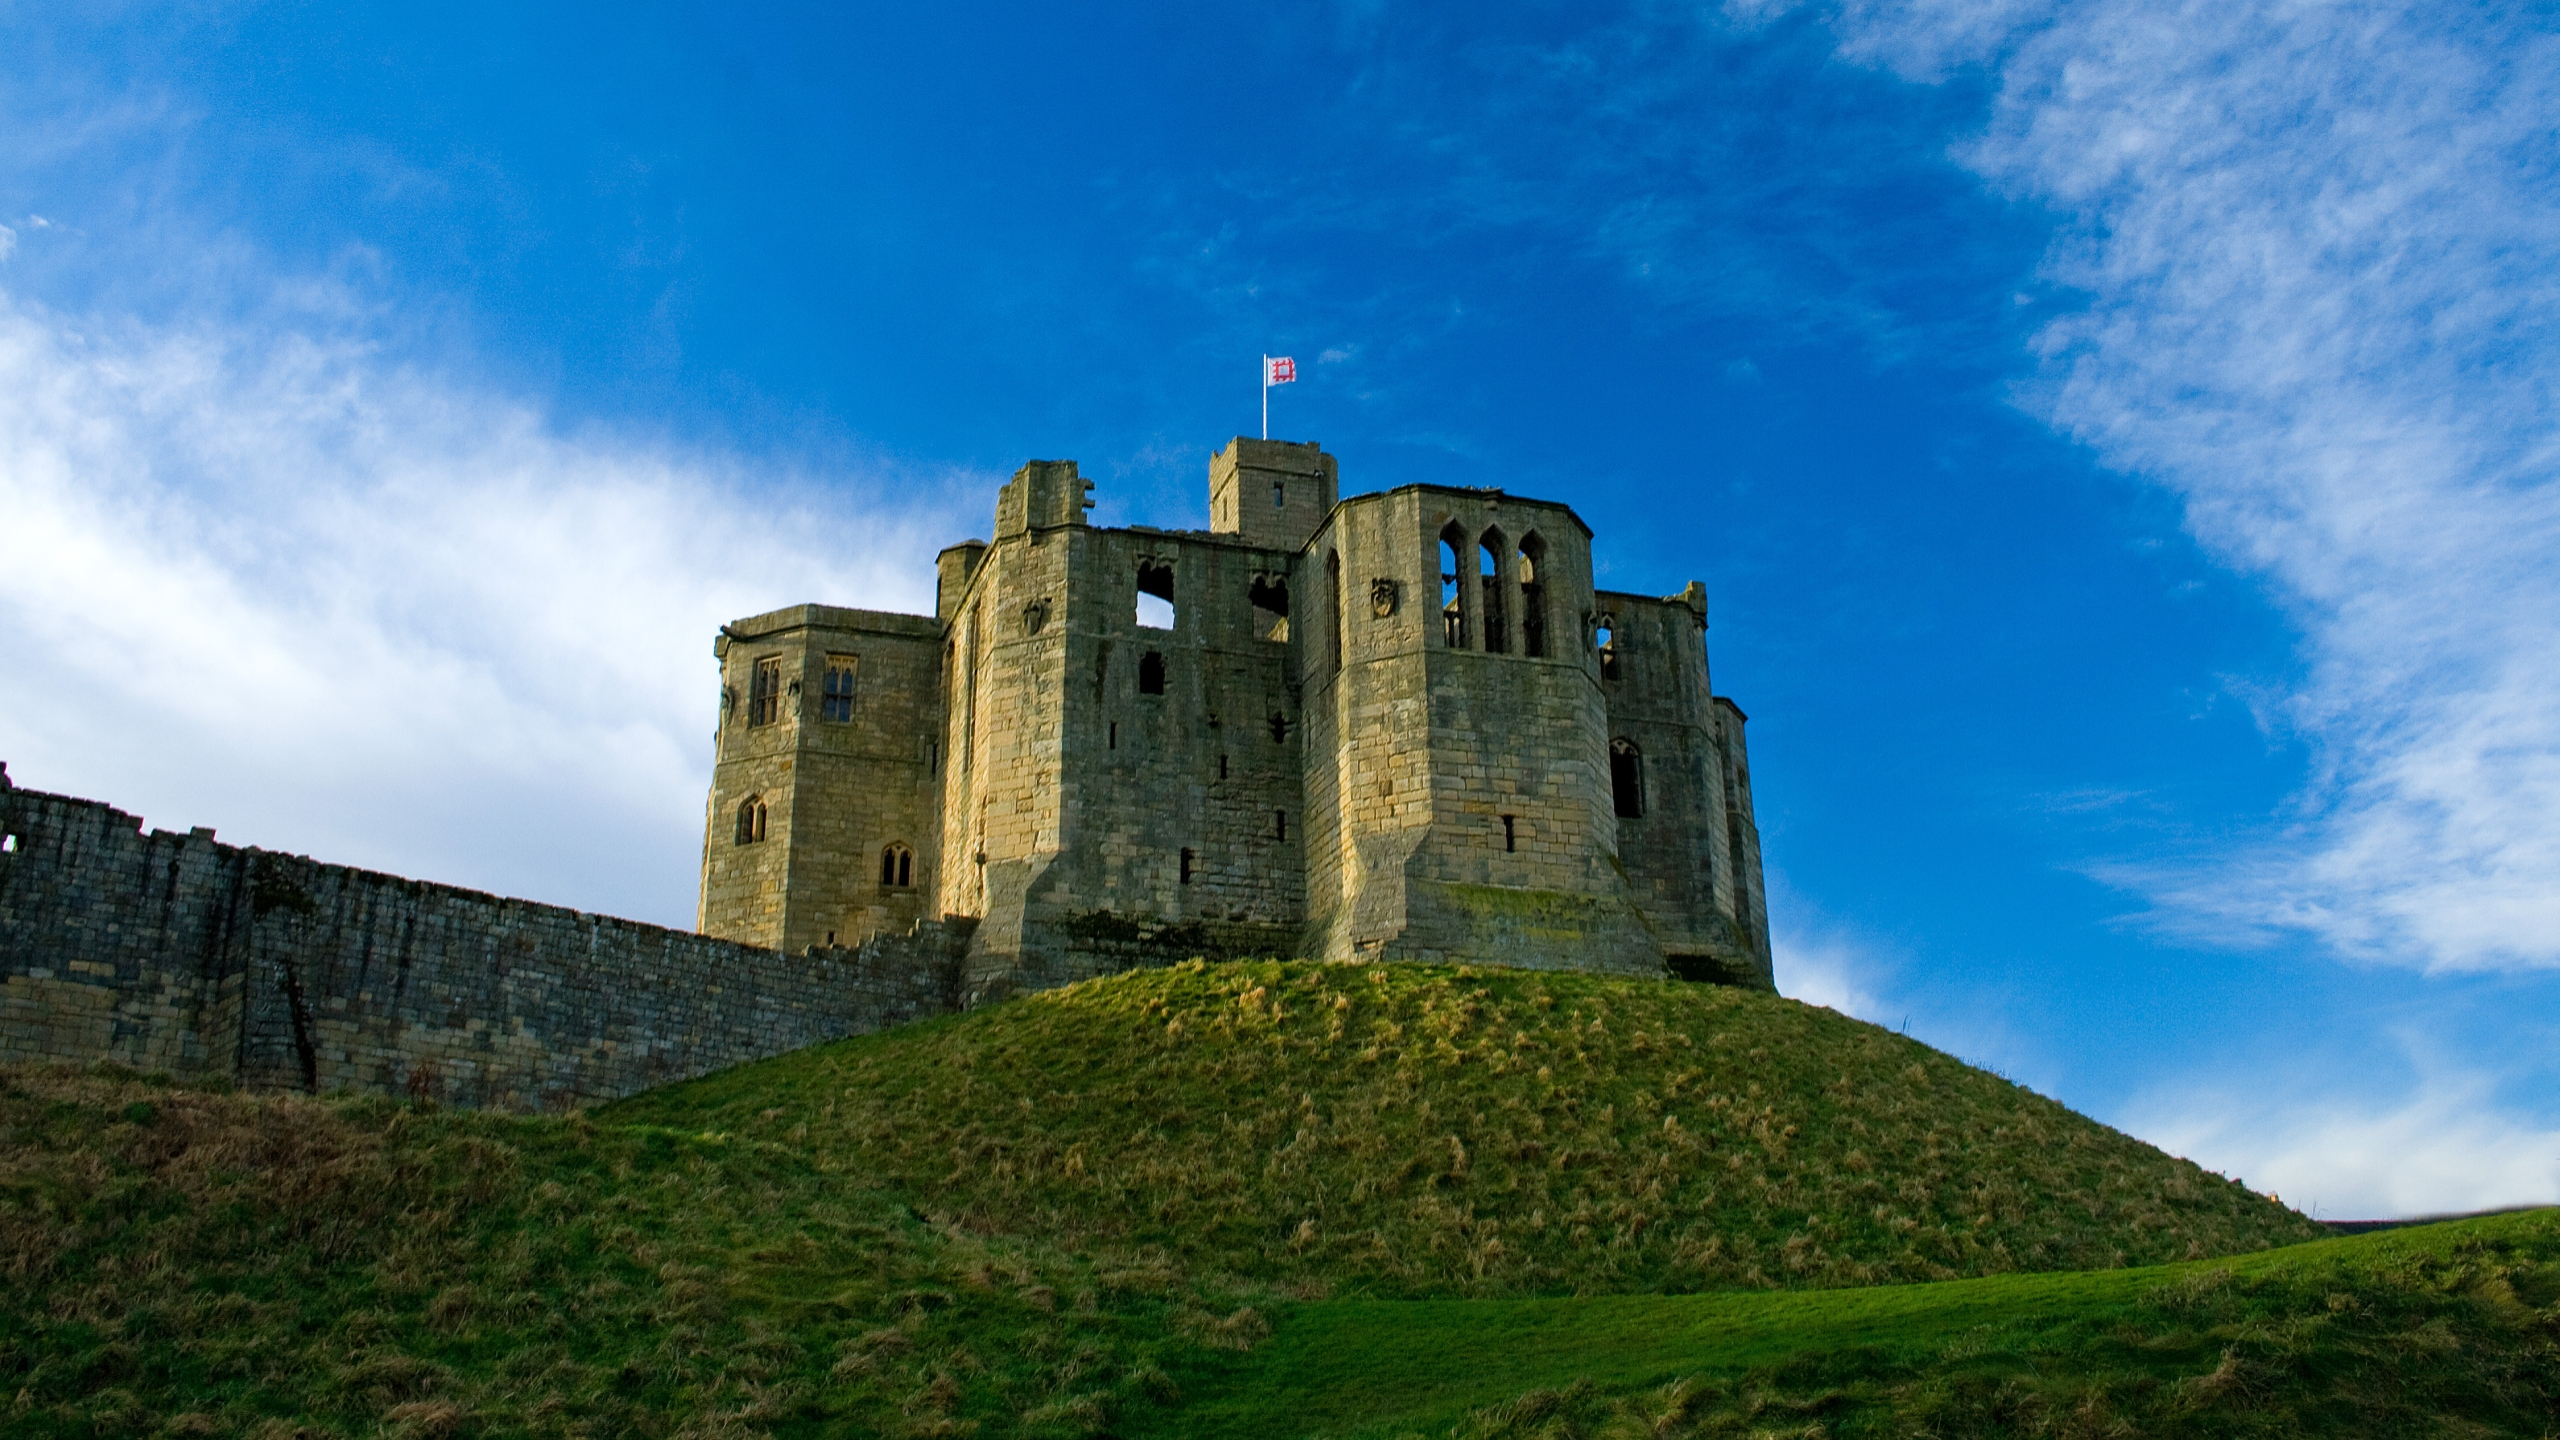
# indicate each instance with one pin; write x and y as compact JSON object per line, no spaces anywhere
{"x":1278,"y":369}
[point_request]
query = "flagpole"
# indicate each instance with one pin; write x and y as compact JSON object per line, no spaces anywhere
{"x":1266,"y":397}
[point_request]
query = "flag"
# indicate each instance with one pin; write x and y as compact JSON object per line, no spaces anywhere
{"x":1278,"y":369}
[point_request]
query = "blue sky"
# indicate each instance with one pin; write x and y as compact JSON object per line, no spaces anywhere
{"x":2117,"y":439}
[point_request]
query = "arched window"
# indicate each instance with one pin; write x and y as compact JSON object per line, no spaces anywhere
{"x":1626,"y":778}
{"x":1333,"y":579}
{"x":751,"y":820}
{"x":897,"y":867}
{"x":1533,"y":594}
{"x":1489,"y":587}
{"x":1151,"y":674}
{"x":1453,"y":611}
{"x":1604,"y":637}
{"x":1269,"y":595}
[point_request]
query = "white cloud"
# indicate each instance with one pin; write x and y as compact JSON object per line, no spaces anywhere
{"x":260,"y":579}
{"x":1828,"y":970}
{"x":8,"y":242}
{"x":2316,"y":241}
{"x":2445,"y":1148}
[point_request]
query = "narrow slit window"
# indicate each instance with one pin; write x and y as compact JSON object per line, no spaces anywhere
{"x":1279,"y":824}
{"x":1333,"y":578}
{"x":1115,"y":734}
{"x":1222,"y":767}
{"x":835,"y":701}
{"x":1453,"y":612}
{"x":1533,"y":595}
{"x":1187,"y":861}
{"x":1510,"y":833}
{"x":1279,"y":496}
{"x":1626,"y":778}
{"x":764,"y":693}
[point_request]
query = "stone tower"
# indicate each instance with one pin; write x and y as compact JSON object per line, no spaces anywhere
{"x":1401,"y":725}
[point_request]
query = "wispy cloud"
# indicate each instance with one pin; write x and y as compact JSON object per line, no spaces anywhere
{"x":2445,"y":1146}
{"x":256,"y":576}
{"x":2316,"y":242}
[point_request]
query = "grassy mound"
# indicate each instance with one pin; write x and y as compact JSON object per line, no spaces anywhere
{"x":1185,"y":1203}
{"x":1412,"y":1131}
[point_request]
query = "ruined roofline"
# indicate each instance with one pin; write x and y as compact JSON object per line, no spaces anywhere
{"x":830,"y":617}
{"x":1472,"y":492}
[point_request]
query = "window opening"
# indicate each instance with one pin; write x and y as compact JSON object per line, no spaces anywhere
{"x":1489,"y":593}
{"x":1626,"y":778}
{"x":1333,"y":578}
{"x":1115,"y":734}
{"x":1151,"y":674}
{"x":1222,"y":767}
{"x":1453,"y":614}
{"x":898,"y":867}
{"x":835,"y":701}
{"x":764,"y":698}
{"x":1533,"y":595}
{"x":1279,"y":728}
{"x":1186,"y":865}
{"x":1510,"y":834}
{"x":933,"y":757}
{"x":751,"y":820}
{"x":1279,"y":497}
{"x":1280,"y":824}
{"x":1607,"y":639}
{"x":1270,"y":597}
{"x":1155,"y":595}
{"x":8,"y":844}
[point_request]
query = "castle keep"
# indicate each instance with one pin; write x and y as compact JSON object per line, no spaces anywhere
{"x":1399,"y":726}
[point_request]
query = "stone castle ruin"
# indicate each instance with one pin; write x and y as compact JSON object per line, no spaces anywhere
{"x":1402,"y":726}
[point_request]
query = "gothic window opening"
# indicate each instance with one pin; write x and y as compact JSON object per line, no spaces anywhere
{"x":835,"y":700}
{"x":1489,"y":593}
{"x":751,"y":820}
{"x":1270,"y":597}
{"x":1453,"y":611}
{"x":764,"y":696}
{"x":1187,"y":861}
{"x":1626,"y":778}
{"x":898,"y":867}
{"x":1510,"y":833}
{"x":1533,"y":595}
{"x":1333,"y":579}
{"x":1606,"y":638}
{"x":1155,"y":595}
{"x":1151,"y":674}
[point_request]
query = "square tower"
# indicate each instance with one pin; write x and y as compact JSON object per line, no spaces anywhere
{"x":1271,"y":493}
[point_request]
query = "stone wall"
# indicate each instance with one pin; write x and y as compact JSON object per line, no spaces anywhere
{"x":176,"y":953}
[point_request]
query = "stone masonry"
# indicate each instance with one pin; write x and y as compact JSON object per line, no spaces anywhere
{"x":175,"y":953}
{"x":1398,"y":726}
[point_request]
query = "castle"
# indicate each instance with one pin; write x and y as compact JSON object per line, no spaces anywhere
{"x":1399,"y":726}
{"x":1402,"y":726}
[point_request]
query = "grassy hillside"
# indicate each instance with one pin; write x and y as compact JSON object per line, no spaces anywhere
{"x":1424,"y":1131}
{"x":1222,"y":1201}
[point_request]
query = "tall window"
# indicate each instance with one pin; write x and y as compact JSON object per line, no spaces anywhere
{"x":751,"y":820}
{"x":1533,"y":594}
{"x":764,"y":696}
{"x":1489,"y":593}
{"x":837,"y":702}
{"x":1626,"y":778}
{"x":1155,"y":595}
{"x":1453,"y":611}
{"x":897,"y":867}
{"x":1151,"y":674}
{"x":1606,"y":638}
{"x":1333,"y":578}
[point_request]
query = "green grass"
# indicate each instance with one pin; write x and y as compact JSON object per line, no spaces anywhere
{"x":1252,"y":1199}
